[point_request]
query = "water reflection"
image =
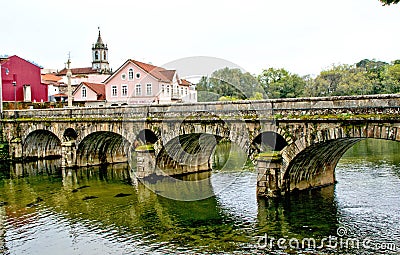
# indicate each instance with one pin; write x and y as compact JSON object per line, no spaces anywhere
{"x":96,"y":210}
{"x":312,"y":214}
{"x":104,"y":199}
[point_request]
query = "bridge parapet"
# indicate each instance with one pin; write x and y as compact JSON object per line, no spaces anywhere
{"x":270,"y":109}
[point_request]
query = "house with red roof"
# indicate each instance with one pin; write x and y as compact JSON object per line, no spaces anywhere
{"x":136,"y":82}
{"x":83,"y":74}
{"x":91,"y":94}
{"x":55,"y":88}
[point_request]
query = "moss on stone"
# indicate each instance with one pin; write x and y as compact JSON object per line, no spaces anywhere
{"x":146,"y":147}
{"x":16,"y":140}
{"x":270,"y":156}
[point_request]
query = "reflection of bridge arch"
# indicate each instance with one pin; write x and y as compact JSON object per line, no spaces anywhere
{"x":41,"y":144}
{"x":102,"y":147}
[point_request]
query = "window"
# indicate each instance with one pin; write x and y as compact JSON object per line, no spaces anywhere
{"x":96,"y":55}
{"x":123,"y":76}
{"x":104,"y":55}
{"x":130,"y":74}
{"x":149,"y":89}
{"x":124,"y":90}
{"x":181,"y":91}
{"x":84,"y":92}
{"x":168,"y":89}
{"x":114,"y":91}
{"x":186,"y":91}
{"x":138,"y":91}
{"x":162,"y":88}
{"x":137,"y":75}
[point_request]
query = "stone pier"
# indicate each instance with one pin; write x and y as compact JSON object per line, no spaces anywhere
{"x":15,"y":146}
{"x":68,"y":153}
{"x":269,"y":176}
{"x":146,"y":161}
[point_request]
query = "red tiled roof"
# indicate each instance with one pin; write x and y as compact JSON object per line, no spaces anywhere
{"x":185,"y":82}
{"x":82,"y":70}
{"x":61,"y":95}
{"x":169,"y":74}
{"x":98,"y":88}
{"x":50,"y":77}
{"x":156,"y":71}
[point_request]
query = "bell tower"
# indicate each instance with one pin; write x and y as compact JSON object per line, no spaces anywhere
{"x":100,"y":56}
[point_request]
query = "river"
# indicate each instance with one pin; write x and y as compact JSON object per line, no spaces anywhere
{"x":96,"y":210}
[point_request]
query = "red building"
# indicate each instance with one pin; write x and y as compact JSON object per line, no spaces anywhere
{"x":21,"y":81}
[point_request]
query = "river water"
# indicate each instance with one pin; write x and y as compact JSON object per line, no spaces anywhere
{"x":96,"y":210}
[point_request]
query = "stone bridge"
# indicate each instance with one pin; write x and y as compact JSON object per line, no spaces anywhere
{"x":295,"y":143}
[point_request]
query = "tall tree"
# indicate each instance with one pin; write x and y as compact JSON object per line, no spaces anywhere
{"x":227,"y":84}
{"x":279,"y":83}
{"x":391,"y":79}
{"x":342,"y":80}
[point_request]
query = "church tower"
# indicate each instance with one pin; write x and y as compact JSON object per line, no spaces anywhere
{"x":100,"y":56}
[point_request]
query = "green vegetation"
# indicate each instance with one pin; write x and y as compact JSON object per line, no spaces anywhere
{"x":366,"y":77}
{"x":279,"y":83}
{"x":229,"y":84}
{"x":389,"y":2}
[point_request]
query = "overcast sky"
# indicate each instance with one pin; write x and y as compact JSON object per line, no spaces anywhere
{"x":302,"y":36}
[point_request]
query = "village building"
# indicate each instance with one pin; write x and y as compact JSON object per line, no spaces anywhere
{"x":97,"y":73}
{"x":56,"y":89}
{"x":21,"y":81}
{"x":90,"y":94}
{"x":136,"y":82}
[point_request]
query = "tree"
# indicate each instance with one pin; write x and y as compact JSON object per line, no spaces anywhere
{"x":389,"y":2}
{"x":341,"y":80}
{"x":279,"y":83}
{"x":372,"y":65}
{"x":205,"y":91}
{"x":374,"y":70}
{"x":226,"y":84}
{"x":257,"y":96}
{"x":391,"y":79}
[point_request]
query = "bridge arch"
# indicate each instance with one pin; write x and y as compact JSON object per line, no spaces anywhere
{"x":315,"y":165}
{"x":269,"y":140}
{"x":70,"y":134}
{"x":238,"y":131}
{"x":310,"y":161}
{"x":41,"y":144}
{"x":188,"y":151}
{"x":146,"y":136}
{"x":102,"y":147}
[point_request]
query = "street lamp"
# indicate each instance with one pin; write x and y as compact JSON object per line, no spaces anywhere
{"x":14,"y":83}
{"x":1,"y":89}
